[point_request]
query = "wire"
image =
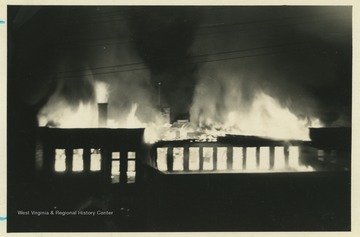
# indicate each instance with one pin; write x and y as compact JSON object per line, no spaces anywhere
{"x":198,"y":56}
{"x":81,"y":41}
{"x":196,"y":62}
{"x":105,"y":67}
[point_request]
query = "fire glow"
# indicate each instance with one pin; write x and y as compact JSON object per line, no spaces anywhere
{"x":265,"y":117}
{"x":243,"y":160}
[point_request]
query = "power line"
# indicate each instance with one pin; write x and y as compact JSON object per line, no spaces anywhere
{"x":105,"y":67}
{"x":86,"y":13}
{"x":196,"y":62}
{"x":126,"y":16}
{"x":198,"y":56}
{"x":201,"y":34}
{"x":265,"y":20}
{"x":195,"y":56}
{"x":266,"y":27}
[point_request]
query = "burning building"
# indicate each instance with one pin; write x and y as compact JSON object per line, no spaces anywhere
{"x":180,"y":115}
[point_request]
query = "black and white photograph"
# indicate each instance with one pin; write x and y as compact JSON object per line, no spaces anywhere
{"x":179,"y":118}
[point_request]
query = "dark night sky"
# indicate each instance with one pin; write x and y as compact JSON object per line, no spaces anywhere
{"x":302,"y":56}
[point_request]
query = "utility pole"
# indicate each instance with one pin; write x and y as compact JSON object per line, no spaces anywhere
{"x":159,"y":95}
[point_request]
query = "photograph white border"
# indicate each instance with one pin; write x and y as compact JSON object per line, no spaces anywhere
{"x":355,"y":205}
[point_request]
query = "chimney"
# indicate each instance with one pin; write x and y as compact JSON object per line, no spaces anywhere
{"x":102,"y":113}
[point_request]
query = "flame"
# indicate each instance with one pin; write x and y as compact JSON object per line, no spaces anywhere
{"x":265,"y":117}
{"x":66,"y":116}
{"x":62,"y":115}
{"x":132,"y":120}
{"x":262,"y":116}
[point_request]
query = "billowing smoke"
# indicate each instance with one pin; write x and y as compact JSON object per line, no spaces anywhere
{"x":153,"y":48}
{"x":216,"y":64}
{"x":83,"y":63}
{"x":162,"y":37}
{"x":303,"y":64}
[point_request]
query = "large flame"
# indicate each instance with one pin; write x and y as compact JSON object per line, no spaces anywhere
{"x":59,"y":113}
{"x":63,"y":115}
{"x":264,"y":117}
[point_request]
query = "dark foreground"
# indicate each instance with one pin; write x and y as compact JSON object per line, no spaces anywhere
{"x":317,"y":201}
